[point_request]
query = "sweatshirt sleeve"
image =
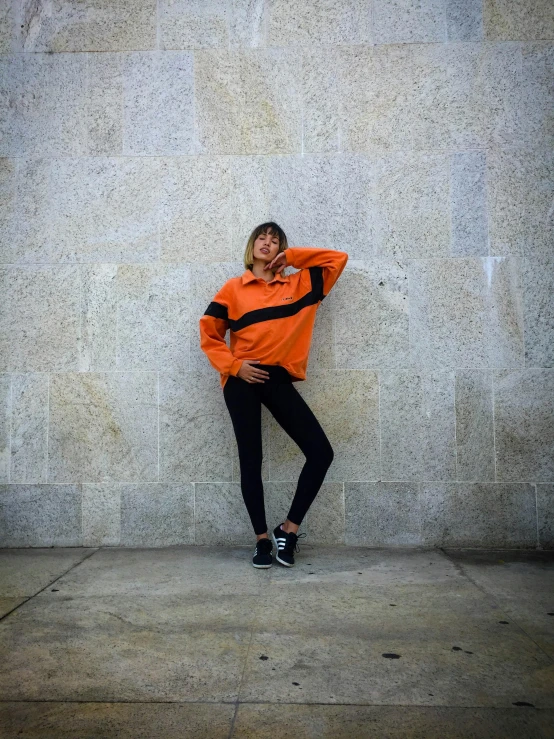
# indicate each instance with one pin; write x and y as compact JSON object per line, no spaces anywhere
{"x":331,"y":261}
{"x":213,"y":327}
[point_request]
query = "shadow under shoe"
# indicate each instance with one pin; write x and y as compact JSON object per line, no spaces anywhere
{"x":286,"y":545}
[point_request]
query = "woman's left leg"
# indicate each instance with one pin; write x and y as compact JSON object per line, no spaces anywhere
{"x":294,"y":415}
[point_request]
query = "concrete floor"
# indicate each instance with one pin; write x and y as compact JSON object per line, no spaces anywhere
{"x":351,"y":642}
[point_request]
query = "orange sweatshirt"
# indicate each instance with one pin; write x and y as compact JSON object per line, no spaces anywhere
{"x":270,"y":321}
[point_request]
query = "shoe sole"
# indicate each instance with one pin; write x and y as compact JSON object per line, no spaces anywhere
{"x":286,"y":564}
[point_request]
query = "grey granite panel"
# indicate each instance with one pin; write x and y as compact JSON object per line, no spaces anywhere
{"x":65,"y":104}
{"x":153,"y":316}
{"x":98,"y":317}
{"x":135,"y":316}
{"x":381,"y":514}
{"x":27,"y":211}
{"x":196,"y":209}
{"x":124,"y":720}
{"x":464,"y":20}
{"x":471,"y":515}
{"x":221,"y":516}
{"x":372,"y":295}
{"x":417,"y":425}
{"x":84,"y":210}
{"x":466,"y":312}
{"x":101,"y":511}
{"x":249,"y":193}
{"x":39,"y":318}
{"x":412,"y":205}
{"x":8,"y":200}
{"x":403,"y":22}
{"x":466,"y":95}
{"x":247,"y":23}
{"x":5,"y":424}
{"x":325,"y":200}
{"x":159,"y":104}
{"x":474,"y":426}
{"x":375,"y":107}
{"x":538,"y":310}
{"x":524,"y":424}
{"x":524,"y":19}
{"x":7,"y":21}
{"x":48,"y":114}
{"x":359,"y":206}
{"x":103,"y":427}
{"x":193,"y":24}
{"x":196,"y":433}
{"x":320,"y":101}
{"x":61,"y":104}
{"x":104,"y":209}
{"x":469,"y":206}
{"x":154,"y":515}
{"x":9,"y":123}
{"x":537,"y":91}
{"x":520,"y":185}
{"x":40,"y":516}
{"x":325,"y":519}
{"x":29,"y":428}
{"x":100,"y":26}
{"x":346,"y":404}
{"x":248,"y":101}
{"x":24,"y":572}
{"x":104,"y":104}
{"x":545,"y":515}
{"x":307,"y":191}
{"x":315,"y":23}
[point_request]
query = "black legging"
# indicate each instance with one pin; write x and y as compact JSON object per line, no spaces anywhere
{"x":292,"y":413}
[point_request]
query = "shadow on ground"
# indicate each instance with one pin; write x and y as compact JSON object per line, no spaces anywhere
{"x":351,"y":642}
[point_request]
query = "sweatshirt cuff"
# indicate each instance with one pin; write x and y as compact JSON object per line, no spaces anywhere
{"x":235,"y":367}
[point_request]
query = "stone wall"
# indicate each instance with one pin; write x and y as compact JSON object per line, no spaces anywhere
{"x":142,"y":142}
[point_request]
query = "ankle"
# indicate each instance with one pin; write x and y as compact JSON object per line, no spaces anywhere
{"x":289,"y":527}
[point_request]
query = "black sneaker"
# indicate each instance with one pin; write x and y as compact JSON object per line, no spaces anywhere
{"x":262,"y":558}
{"x":286,"y":545}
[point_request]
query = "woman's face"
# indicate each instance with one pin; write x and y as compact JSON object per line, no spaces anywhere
{"x":266,"y":247}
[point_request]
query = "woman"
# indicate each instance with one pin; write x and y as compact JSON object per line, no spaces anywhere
{"x":271,"y":318}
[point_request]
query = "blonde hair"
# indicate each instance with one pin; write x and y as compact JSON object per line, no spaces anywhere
{"x":263,"y":228}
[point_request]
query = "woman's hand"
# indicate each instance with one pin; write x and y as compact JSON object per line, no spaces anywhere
{"x":278,"y":264}
{"x":252,"y":374}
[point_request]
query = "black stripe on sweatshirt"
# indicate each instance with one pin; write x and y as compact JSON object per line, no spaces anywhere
{"x":217,"y":310}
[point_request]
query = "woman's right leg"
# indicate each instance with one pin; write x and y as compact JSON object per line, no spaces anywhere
{"x":245,"y":408}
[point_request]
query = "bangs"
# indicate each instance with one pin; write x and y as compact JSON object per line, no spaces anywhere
{"x":271,"y":226}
